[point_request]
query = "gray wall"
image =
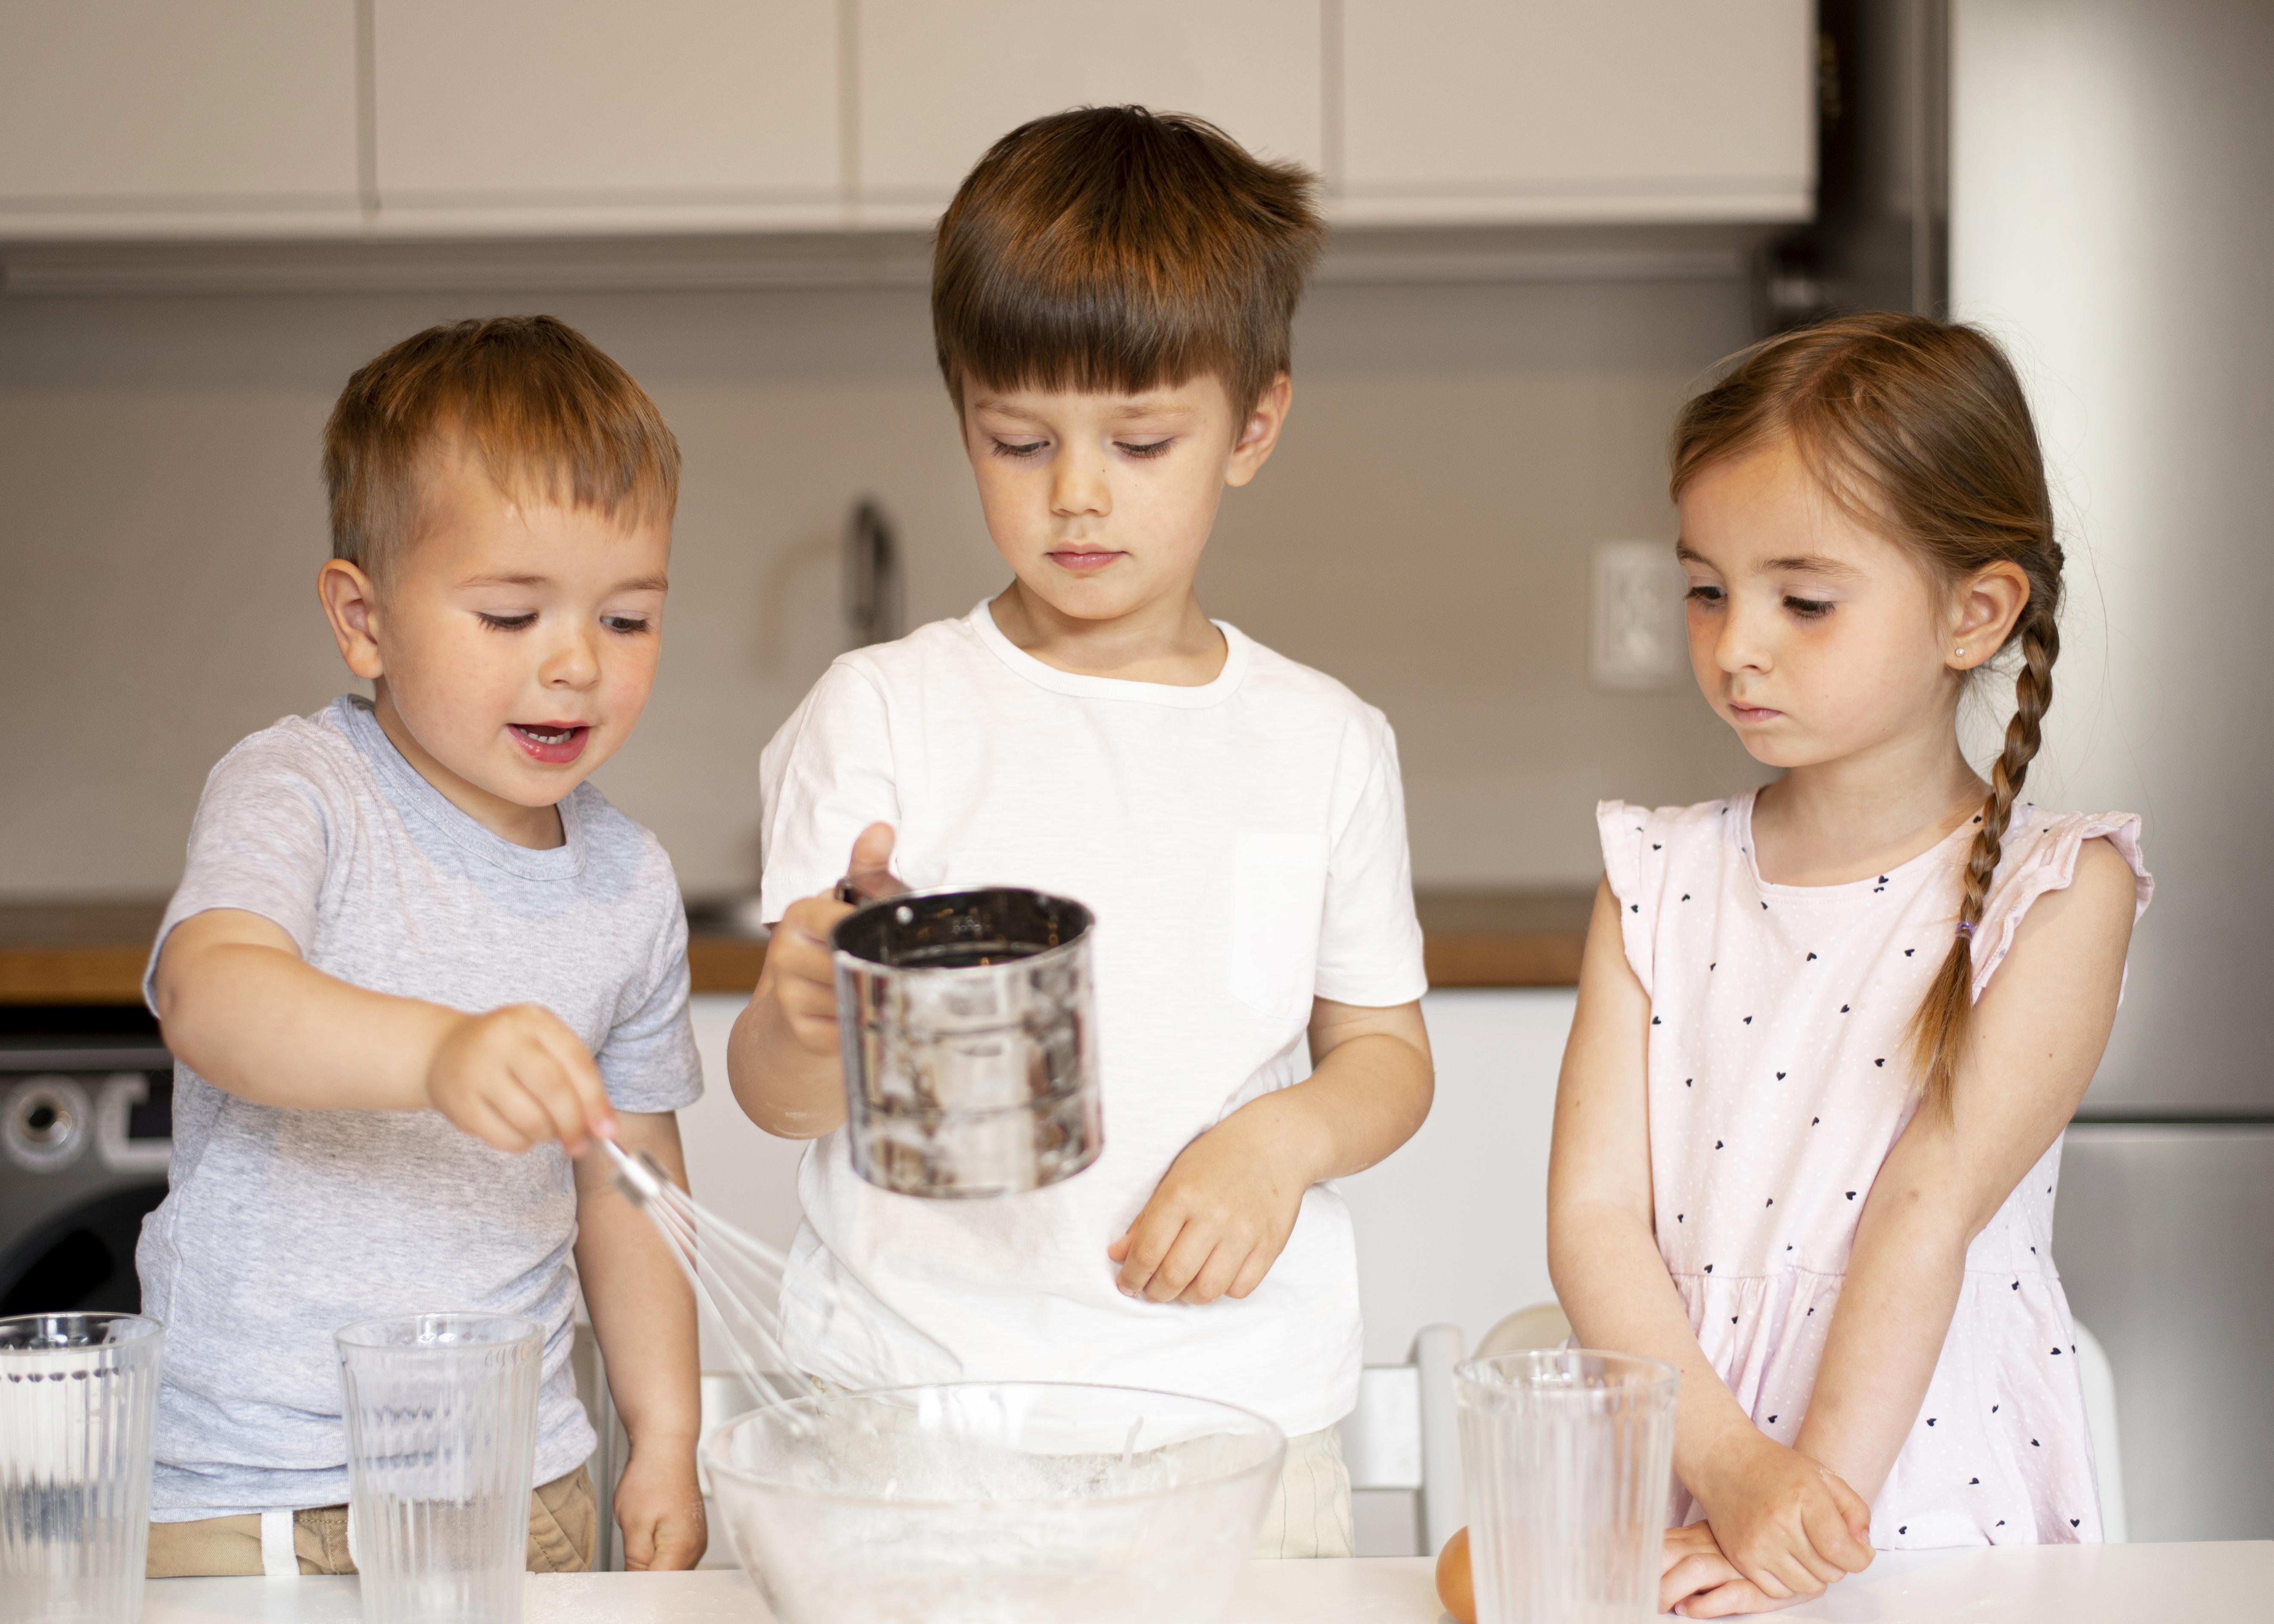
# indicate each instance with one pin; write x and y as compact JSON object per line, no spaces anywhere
{"x":1421,"y":534}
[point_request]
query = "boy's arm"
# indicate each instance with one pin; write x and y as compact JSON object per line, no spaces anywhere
{"x":643,"y":1315}
{"x":1223,"y":1213}
{"x":241,"y":1008}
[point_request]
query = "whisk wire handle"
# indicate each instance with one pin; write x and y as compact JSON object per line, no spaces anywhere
{"x":744,"y":1286}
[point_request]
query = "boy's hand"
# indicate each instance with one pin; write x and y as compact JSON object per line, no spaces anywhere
{"x":800,"y":978}
{"x":1788,"y":1526}
{"x":659,"y":1506}
{"x":1219,"y":1217}
{"x":517,"y":1077}
{"x":869,"y":870}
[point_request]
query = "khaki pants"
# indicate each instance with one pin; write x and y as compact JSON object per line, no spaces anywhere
{"x":1310,"y":1515}
{"x":564,"y":1527}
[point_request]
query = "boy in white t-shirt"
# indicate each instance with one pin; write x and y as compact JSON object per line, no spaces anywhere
{"x":1112,"y":295}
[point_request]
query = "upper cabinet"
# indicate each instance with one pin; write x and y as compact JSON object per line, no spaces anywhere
{"x":1543,"y":111}
{"x":940,"y":82}
{"x":221,"y":118}
{"x":580,"y":114}
{"x":442,"y":118}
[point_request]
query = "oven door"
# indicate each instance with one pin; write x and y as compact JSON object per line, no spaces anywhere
{"x":86,"y":1133}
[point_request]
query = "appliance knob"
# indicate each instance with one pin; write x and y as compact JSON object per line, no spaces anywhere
{"x":46,"y":1124}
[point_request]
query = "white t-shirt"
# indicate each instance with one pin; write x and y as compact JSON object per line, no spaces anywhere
{"x":1242,"y":845}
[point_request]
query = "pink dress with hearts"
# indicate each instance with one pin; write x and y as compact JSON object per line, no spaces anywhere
{"x":1778,"y":1086}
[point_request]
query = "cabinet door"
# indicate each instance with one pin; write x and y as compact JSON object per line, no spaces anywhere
{"x":1607,"y":110}
{"x":132,"y":116}
{"x":570,"y":114}
{"x":940,"y":83}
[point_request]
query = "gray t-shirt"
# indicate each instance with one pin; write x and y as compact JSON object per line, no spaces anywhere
{"x":282,"y":1225}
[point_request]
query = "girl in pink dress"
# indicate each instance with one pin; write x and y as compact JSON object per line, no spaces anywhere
{"x":1809,"y":1128}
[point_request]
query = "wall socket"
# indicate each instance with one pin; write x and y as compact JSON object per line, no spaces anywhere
{"x":1638,"y":640}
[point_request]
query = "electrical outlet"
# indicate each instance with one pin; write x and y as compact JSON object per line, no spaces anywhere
{"x":1637,"y":640}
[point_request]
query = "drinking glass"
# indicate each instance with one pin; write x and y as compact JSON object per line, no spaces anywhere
{"x":1568,"y":1457}
{"x":79,"y":1394}
{"x":441,"y":1420}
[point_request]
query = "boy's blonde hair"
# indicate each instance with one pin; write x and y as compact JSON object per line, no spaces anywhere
{"x":1116,"y":249}
{"x":551,"y":417}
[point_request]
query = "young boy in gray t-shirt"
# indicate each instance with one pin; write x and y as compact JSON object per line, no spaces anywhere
{"x":416,"y":963}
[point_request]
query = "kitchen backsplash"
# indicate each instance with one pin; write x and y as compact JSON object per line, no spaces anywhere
{"x":1423,"y":533}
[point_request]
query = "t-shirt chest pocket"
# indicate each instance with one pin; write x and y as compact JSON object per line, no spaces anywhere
{"x":1278,"y":899}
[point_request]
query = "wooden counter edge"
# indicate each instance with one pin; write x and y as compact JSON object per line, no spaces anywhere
{"x":1456,"y":960}
{"x":71,"y":975}
{"x":724,"y":964}
{"x":1453,"y":960}
{"x":1543,"y":950}
{"x":731,"y":964}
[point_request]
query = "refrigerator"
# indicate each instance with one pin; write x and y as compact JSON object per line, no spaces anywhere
{"x":2111,"y":217}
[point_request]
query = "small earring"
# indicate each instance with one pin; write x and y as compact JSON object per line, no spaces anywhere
{"x":1961,"y":654}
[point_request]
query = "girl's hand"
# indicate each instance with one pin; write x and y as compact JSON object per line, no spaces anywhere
{"x":1218,"y":1219}
{"x":1698,"y":1581}
{"x":1785,"y":1523}
{"x":659,"y":1506}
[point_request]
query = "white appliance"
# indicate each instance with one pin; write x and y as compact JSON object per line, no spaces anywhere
{"x":2111,"y":220}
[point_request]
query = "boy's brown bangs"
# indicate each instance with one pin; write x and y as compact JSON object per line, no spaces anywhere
{"x":1094,"y":333}
{"x":1118,"y":250}
{"x":550,"y":420}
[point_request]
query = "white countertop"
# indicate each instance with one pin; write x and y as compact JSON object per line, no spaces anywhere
{"x":2057,"y":1584}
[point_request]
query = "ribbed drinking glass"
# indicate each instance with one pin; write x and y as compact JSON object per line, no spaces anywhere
{"x":441,"y":1421}
{"x":77,"y":1396}
{"x":1568,"y":1457}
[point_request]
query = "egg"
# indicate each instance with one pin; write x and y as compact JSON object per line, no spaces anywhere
{"x":1454,"y":1586}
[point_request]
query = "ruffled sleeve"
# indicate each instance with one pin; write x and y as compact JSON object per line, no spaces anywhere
{"x":1625,"y":831}
{"x":2039,"y":857}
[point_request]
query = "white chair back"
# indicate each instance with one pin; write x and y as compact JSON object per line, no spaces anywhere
{"x":1403,"y":1434}
{"x":1543,"y":1324}
{"x":2099,"y":1378}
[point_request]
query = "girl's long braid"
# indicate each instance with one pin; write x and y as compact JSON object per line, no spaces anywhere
{"x":1939,"y":1028}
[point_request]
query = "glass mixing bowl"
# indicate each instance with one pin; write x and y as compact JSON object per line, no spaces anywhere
{"x":996,"y":1501}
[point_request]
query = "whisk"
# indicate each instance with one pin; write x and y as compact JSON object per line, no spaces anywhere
{"x":749,"y":1289}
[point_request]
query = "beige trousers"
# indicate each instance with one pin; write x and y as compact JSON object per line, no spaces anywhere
{"x":564,"y":1528}
{"x":1310,"y":1515}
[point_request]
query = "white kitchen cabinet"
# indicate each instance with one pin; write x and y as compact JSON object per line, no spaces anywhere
{"x":1542,"y":110}
{"x":516,"y":116}
{"x":940,"y":82}
{"x":226,"y":118}
{"x":445,"y":119}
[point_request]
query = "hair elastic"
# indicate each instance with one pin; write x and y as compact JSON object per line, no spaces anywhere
{"x":1966,"y":929}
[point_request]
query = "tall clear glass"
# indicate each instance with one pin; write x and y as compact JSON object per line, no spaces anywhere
{"x":79,"y":1394}
{"x":1568,"y":1457}
{"x":441,"y":1419}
